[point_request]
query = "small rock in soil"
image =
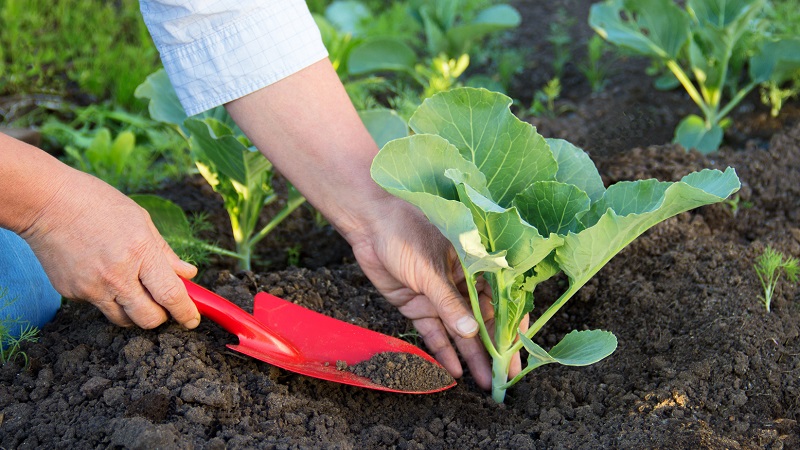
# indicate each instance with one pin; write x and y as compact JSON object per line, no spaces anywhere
{"x":402,"y":371}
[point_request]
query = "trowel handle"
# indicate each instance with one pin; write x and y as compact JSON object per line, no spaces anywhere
{"x":235,"y":320}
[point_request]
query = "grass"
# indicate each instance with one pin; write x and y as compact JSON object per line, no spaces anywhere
{"x":11,"y":346}
{"x":75,"y":47}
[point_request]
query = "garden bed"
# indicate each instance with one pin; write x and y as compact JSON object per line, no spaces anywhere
{"x":700,"y":363}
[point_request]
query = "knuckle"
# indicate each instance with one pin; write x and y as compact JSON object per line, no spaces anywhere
{"x":151,"y":321}
{"x":437,"y":340}
{"x":170,"y":295}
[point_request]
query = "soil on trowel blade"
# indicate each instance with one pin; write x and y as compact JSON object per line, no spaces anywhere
{"x":402,"y":371}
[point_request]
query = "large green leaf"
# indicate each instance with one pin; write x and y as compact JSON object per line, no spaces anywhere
{"x":553,"y":207}
{"x":479,"y":123}
{"x":381,"y":54}
{"x":776,"y":61}
{"x":694,"y":133}
{"x":584,"y":253}
{"x":414,"y":169}
{"x":576,"y":168}
{"x":505,"y":230}
{"x":164,"y":105}
{"x":723,"y":13}
{"x":383,"y":125}
{"x":657,"y":28}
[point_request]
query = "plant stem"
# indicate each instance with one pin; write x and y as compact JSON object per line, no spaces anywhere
{"x":735,"y":101}
{"x":291,"y":205}
{"x":689,"y":87}
{"x":500,"y":366}
{"x":476,"y":311}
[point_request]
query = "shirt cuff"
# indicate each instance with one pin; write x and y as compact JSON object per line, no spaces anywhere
{"x":240,"y":54}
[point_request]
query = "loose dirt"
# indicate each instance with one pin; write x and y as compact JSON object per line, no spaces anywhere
{"x":402,"y":371}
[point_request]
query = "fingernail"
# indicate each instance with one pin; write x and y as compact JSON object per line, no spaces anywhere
{"x":188,"y":266}
{"x":466,"y":325}
{"x":192,"y":323}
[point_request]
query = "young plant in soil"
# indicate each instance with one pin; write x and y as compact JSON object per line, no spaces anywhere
{"x":180,"y":232}
{"x":227,"y":160}
{"x":519,"y":209}
{"x":13,"y":332}
{"x":706,"y":47}
{"x":769,"y":267}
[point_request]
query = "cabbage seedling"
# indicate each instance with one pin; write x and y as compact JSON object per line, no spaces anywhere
{"x":519,"y":209}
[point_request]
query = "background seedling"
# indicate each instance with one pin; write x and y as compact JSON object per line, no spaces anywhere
{"x":596,"y":66}
{"x":706,"y":47}
{"x":769,"y":268}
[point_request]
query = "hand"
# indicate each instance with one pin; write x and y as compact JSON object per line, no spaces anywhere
{"x":307,"y":127}
{"x":417,"y":270}
{"x":96,"y":244}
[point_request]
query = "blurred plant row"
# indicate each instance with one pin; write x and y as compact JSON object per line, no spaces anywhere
{"x":94,"y":86}
{"x":95,"y":89}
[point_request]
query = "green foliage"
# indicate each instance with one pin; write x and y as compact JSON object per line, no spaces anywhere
{"x":706,"y":47}
{"x":544,"y":99}
{"x":378,"y":54}
{"x":180,"y":232}
{"x":453,"y":27}
{"x":596,"y":66}
{"x":11,"y":345}
{"x":769,"y":268}
{"x":102,"y":47}
{"x":560,"y":41}
{"x":128,"y":151}
{"x":442,"y":74}
{"x":519,"y":209}
{"x":227,"y":160}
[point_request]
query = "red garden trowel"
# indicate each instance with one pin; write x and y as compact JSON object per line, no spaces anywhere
{"x":300,"y":340}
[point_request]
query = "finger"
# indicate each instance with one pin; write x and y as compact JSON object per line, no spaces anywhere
{"x":438,"y":343}
{"x":139,"y":306}
{"x":477,"y":359}
{"x":452,"y":309}
{"x":181,"y":267}
{"x":167,"y":290}
{"x":114,"y":313}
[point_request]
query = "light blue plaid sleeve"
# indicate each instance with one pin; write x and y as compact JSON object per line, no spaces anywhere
{"x":215,"y":51}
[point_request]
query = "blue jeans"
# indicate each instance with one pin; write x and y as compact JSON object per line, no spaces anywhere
{"x":29,"y":297}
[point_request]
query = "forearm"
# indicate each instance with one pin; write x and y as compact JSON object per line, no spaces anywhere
{"x":307,"y":127}
{"x":29,"y":180}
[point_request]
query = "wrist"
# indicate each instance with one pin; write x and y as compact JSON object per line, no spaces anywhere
{"x":30,"y":180}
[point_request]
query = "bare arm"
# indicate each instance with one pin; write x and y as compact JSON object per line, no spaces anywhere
{"x":306,"y":125}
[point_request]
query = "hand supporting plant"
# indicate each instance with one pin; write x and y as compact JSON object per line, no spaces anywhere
{"x":519,"y":209}
{"x":306,"y":125}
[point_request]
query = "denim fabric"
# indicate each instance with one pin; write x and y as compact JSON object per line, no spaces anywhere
{"x":29,"y":298}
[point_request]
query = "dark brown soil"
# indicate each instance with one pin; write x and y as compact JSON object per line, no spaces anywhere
{"x":700,"y":363}
{"x":401,"y":371}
